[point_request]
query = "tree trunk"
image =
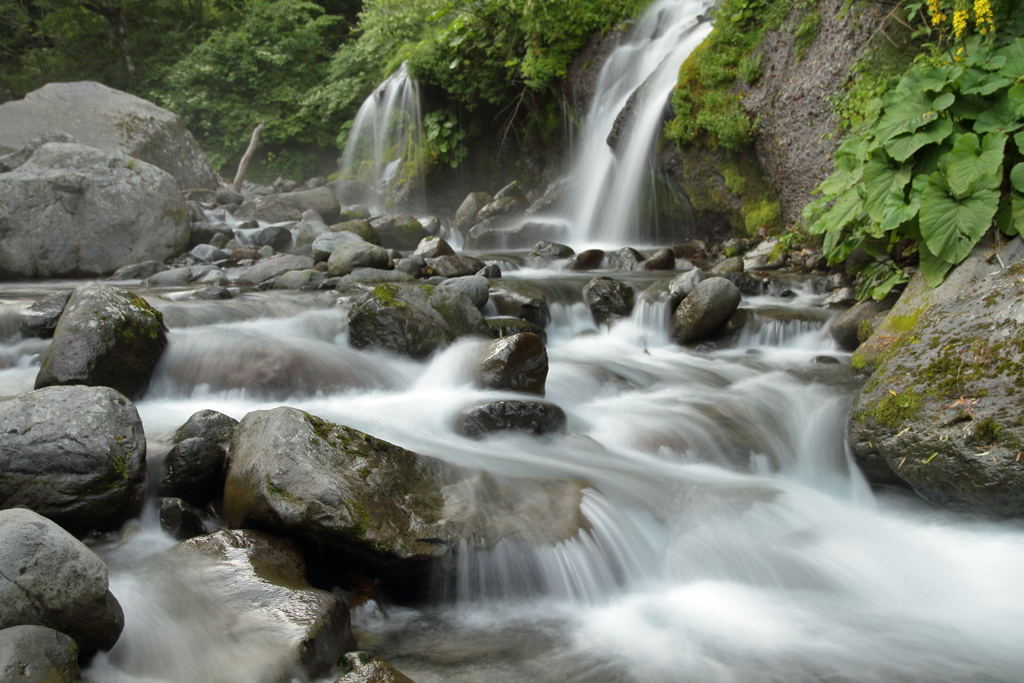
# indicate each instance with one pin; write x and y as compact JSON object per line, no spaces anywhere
{"x":111,"y":11}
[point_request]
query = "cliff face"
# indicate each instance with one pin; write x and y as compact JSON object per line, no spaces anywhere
{"x":795,"y":137}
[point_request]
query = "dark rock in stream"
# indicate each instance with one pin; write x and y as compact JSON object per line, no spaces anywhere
{"x":585,"y":260}
{"x":37,"y":654}
{"x":180,"y":519}
{"x":476,"y":287}
{"x":74,"y":454}
{"x":413,"y":320}
{"x":273,"y":267}
{"x":138,"y":271}
{"x":532,"y":417}
{"x":377,"y":508}
{"x":845,"y":328}
{"x":193,"y":470}
{"x":399,"y":232}
{"x":347,"y":257}
{"x":626,"y":258}
{"x":454,"y":266}
{"x":106,"y":337}
{"x":662,"y":259}
{"x":609,"y":299}
{"x":504,"y":327}
{"x":49,"y":578}
{"x":276,"y":236}
{"x":709,"y":307}
{"x":289,"y":206}
{"x":520,"y":300}
{"x":207,"y":424}
{"x":40,"y":319}
{"x":363,"y":667}
{"x":551,"y":250}
{"x":518,"y":362}
{"x":465,"y":217}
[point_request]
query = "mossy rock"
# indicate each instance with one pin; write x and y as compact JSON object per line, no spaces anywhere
{"x":942,"y":411}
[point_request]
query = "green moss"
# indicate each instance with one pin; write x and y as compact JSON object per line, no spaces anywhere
{"x":892,"y":410}
{"x":865,"y":330}
{"x":387,"y":294}
{"x":120,"y":464}
{"x":987,"y":430}
{"x":806,"y":32}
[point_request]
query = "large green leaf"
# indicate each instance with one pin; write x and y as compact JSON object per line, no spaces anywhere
{"x":933,"y":268}
{"x":1017,"y":177}
{"x":897,"y":217}
{"x":842,"y":212}
{"x":902,"y":147}
{"x":1001,"y":116}
{"x":950,"y":224}
{"x":848,"y":172}
{"x":969,"y":160}
{"x":931,"y":78}
{"x":980,"y":82}
{"x":1019,"y":139}
{"x":883,"y":187}
{"x":1017,"y":213}
{"x":906,"y":115}
{"x":1013,"y":51}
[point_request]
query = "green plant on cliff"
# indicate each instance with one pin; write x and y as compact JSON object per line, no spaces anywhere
{"x":938,"y":161}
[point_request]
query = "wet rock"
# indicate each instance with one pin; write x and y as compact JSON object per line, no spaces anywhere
{"x":520,"y":300}
{"x":511,"y":190}
{"x":393,"y":511}
{"x":475,"y":287}
{"x":454,"y":266}
{"x":518,"y":362}
{"x":73,"y":211}
{"x":289,"y":206}
{"x":363,"y":280}
{"x":412,"y":265}
{"x":40,"y":319}
{"x":609,"y":299}
{"x":207,"y":424}
{"x":263,"y":580}
{"x":324,"y":245}
{"x":706,"y":309}
{"x":36,"y":654}
{"x":227,"y":196}
{"x":551,"y":250}
{"x":348,"y":257}
{"x":107,"y":119}
{"x":203,"y":233}
{"x":532,"y":417}
{"x":174,"y":277}
{"x":505,"y":232}
{"x":211,"y":293}
{"x":207,"y":253}
{"x":180,"y":519}
{"x":412,"y":320}
{"x":626,"y":258}
{"x":360,"y":227}
{"x":279,"y":237}
{"x":273,"y":267}
{"x":662,"y":259}
{"x":506,"y":206}
{"x":74,"y":454}
{"x":138,"y":271}
{"x":491,"y":271}
{"x":733,"y":264}
{"x":308,"y":229}
{"x":432,"y":247}
{"x":552,"y":197}
{"x":363,"y":667}
{"x":504,"y":327}
{"x":750,"y":285}
{"x":844,"y":328}
{"x":768,"y":255}
{"x":465,"y":217}
{"x":682,"y":285}
{"x":193,"y":470}
{"x":841,"y":297}
{"x":585,"y":260}
{"x":941,"y":412}
{"x":299,"y":279}
{"x":49,"y":578}
{"x":399,"y":232}
{"x":106,"y":337}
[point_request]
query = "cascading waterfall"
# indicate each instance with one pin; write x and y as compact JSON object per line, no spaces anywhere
{"x":385,"y":134}
{"x":630,"y":99}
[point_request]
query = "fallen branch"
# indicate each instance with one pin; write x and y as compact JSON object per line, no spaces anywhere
{"x":243,"y":165}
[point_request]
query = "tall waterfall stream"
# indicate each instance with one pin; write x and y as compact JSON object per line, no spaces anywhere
{"x":731,"y":538}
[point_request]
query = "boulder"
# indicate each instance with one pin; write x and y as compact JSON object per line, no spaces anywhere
{"x":180,"y":519}
{"x":300,"y":279}
{"x":413,"y":320}
{"x":207,"y":424}
{"x":106,"y":337}
{"x":454,"y":266}
{"x":532,"y":417}
{"x":73,"y":211}
{"x":277,"y":237}
{"x":262,"y":579}
{"x":207,"y":253}
{"x":551,"y":250}
{"x":609,"y":299}
{"x":325,"y":244}
{"x":465,"y":217}
{"x":399,"y":232}
{"x":211,"y":293}
{"x":176,"y":277}
{"x":518,"y":363}
{"x":733,"y":264}
{"x":845,"y":327}
{"x":138,"y":271}
{"x":74,"y":454}
{"x":432,"y":246}
{"x":706,"y":309}
{"x":506,"y":232}
{"x":585,"y":260}
{"x":40,"y":320}
{"x":506,"y":206}
{"x":49,"y":578}
{"x":626,"y":258}
{"x":363,"y":280}
{"x":352,"y":192}
{"x":662,"y":259}
{"x":476,"y":287}
{"x":308,"y":229}
{"x":193,"y":470}
{"x":36,"y":654}
{"x":504,"y":327}
{"x":347,"y":257}
{"x":363,"y":667}
{"x":682,"y":285}
{"x":289,"y":206}
{"x":268,"y":269}
{"x":520,"y":300}
{"x":941,"y":411}
{"x":386,"y":510}
{"x":110,"y":120}
{"x":360,"y":227}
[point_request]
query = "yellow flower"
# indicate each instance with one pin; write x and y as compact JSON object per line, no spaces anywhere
{"x":983,"y":16}
{"x":959,"y":22}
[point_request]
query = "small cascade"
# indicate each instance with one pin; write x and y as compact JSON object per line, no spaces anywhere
{"x":628,"y":112}
{"x":384,"y":139}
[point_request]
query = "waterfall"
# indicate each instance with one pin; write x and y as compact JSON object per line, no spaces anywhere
{"x":628,"y":110}
{"x":384,"y":139}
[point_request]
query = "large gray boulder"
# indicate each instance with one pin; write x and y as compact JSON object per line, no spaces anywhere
{"x":520,"y":300}
{"x":49,"y":578}
{"x":106,"y":336}
{"x":289,"y":206}
{"x":941,"y":412}
{"x":274,"y":267}
{"x":518,"y":362}
{"x":72,"y":210}
{"x":413,"y":320}
{"x":347,"y":257}
{"x":339,"y":490}
{"x":707,"y":308}
{"x":36,"y":654}
{"x":73,"y":454}
{"x":609,"y":299}
{"x":104,"y":118}
{"x":262,"y":579}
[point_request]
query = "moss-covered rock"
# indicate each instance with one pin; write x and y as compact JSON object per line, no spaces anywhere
{"x":942,"y":411}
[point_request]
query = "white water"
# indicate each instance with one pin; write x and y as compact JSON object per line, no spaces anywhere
{"x":386,"y":130}
{"x":606,"y":200}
